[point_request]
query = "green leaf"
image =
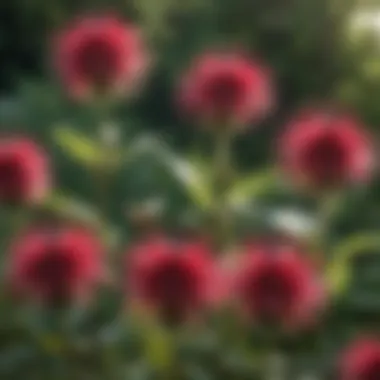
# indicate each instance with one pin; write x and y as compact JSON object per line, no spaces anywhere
{"x":192,"y":176}
{"x":157,"y":341}
{"x":339,"y":270}
{"x":78,"y":146}
{"x":72,"y":209}
{"x":143,"y":145}
{"x":251,"y":186}
{"x":158,"y":348}
{"x":193,"y":180}
{"x":52,"y":344}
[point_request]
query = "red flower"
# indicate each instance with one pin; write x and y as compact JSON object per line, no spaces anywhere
{"x":361,"y":361}
{"x":99,"y":55}
{"x":226,"y":89}
{"x":56,"y":266}
{"x":277,"y":285}
{"x":325,"y":150}
{"x":24,"y":171}
{"x":175,"y":279}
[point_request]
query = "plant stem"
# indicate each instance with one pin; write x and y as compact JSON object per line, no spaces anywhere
{"x":14,"y":220}
{"x":328,"y":206}
{"x":275,"y":366}
{"x":222,"y":218}
{"x":103,"y":172}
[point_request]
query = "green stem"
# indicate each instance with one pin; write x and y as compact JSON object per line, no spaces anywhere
{"x":327,"y":209}
{"x":103,"y":172}
{"x":222,"y":218}
{"x":109,"y":364}
{"x":274,"y":366}
{"x":14,"y":220}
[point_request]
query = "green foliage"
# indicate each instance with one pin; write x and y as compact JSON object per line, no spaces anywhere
{"x":314,"y":55}
{"x":83,"y":149}
{"x":72,"y":209}
{"x":340,"y":269}
{"x":250,"y":186}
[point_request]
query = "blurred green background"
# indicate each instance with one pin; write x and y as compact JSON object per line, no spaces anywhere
{"x":310,"y":44}
{"x":319,"y":50}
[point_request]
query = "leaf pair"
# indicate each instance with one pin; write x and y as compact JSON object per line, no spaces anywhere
{"x":196,"y":179}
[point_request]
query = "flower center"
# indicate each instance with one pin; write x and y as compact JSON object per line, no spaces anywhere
{"x":172,"y":288}
{"x":326,"y":159}
{"x":372,"y":372}
{"x":98,"y":61}
{"x":12,"y":181}
{"x":271,"y":294}
{"x":224,"y":91}
{"x":53,"y":273}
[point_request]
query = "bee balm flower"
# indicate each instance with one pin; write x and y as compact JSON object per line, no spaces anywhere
{"x":24,"y":172}
{"x":278,"y":285}
{"x":226,"y":89}
{"x":56,"y":266}
{"x":99,"y":55}
{"x":173,"y":278}
{"x":325,"y":150}
{"x":361,"y":361}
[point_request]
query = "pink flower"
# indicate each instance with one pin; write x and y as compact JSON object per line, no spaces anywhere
{"x":226,"y":89}
{"x":24,"y":171}
{"x":56,"y":266}
{"x":361,"y":361}
{"x":277,"y":285}
{"x":99,"y":55}
{"x":173,"y":278}
{"x":325,"y":150}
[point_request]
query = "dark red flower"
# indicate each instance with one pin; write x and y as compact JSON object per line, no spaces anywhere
{"x":361,"y":361}
{"x":56,"y":266}
{"x":99,"y":55}
{"x":173,"y":278}
{"x":277,"y":285}
{"x":24,"y":171}
{"x":222,"y":89}
{"x":325,"y":150}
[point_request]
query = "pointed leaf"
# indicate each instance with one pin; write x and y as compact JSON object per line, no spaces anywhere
{"x":78,"y":146}
{"x":158,"y":343}
{"x":293,"y":221}
{"x":251,"y":186}
{"x":192,"y":179}
{"x":338,"y":273}
{"x":143,"y":145}
{"x":191,"y":176}
{"x":72,"y":208}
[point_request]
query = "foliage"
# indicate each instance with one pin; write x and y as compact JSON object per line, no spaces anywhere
{"x":306,"y":44}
